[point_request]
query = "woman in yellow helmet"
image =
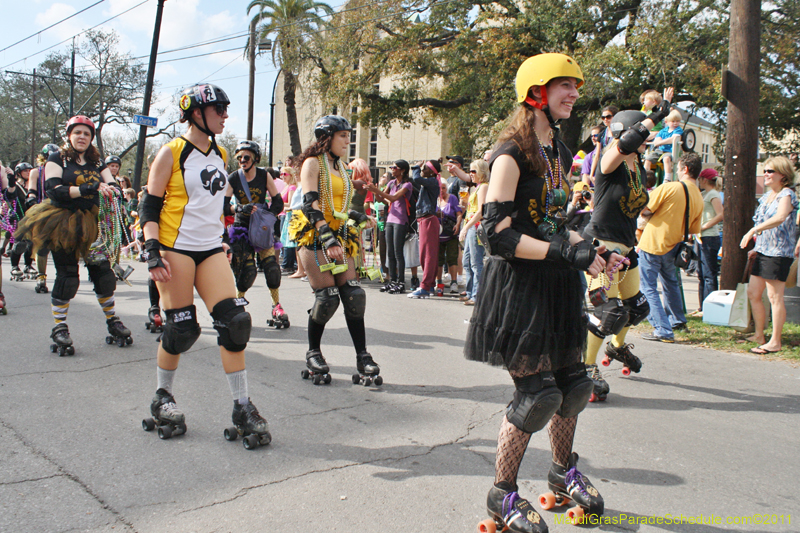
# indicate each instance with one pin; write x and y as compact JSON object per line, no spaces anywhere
{"x":528,"y":315}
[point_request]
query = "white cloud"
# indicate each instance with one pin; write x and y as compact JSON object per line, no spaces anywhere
{"x":53,"y":14}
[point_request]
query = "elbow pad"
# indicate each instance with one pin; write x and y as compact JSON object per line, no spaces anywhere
{"x":57,"y":191}
{"x":313,"y":215}
{"x":150,"y":209}
{"x":503,"y":243}
{"x":276,"y":205}
{"x":632,"y":138}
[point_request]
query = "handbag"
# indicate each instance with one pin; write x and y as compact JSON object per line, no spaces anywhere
{"x":685,"y":249}
{"x":260,"y":231}
{"x":411,"y":250}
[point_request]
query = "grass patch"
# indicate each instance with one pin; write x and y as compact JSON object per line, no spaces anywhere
{"x":729,"y":340}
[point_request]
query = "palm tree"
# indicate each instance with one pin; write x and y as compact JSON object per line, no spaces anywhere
{"x":290,"y":22}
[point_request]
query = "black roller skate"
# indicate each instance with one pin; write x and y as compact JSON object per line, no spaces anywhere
{"x":510,"y":512}
{"x":368,"y":371}
{"x":248,"y":424}
{"x":17,"y":274}
{"x":119,"y":334}
{"x":601,"y":388}
{"x":63,"y":342}
{"x":166,"y":416}
{"x":155,"y":322}
{"x":566,"y":484}
{"x":279,"y":318}
{"x":31,"y":273}
{"x":317,"y":369}
{"x":387,"y":287}
{"x":623,"y":354}
{"x":41,"y":284}
{"x":3,"y":308}
{"x":398,"y":288}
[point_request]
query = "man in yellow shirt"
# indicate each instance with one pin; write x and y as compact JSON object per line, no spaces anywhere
{"x":659,"y":246}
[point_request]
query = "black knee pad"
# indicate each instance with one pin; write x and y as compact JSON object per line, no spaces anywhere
{"x":326,"y":302}
{"x":233,"y":324}
{"x":181,"y":330}
{"x":247,"y":275}
{"x":536,"y":400}
{"x":608,"y":319}
{"x":21,"y":247}
{"x":103,"y":278}
{"x":576,"y":387}
{"x":638,"y":308}
{"x":353,"y":298}
{"x":272,"y":272}
{"x":67,"y":281}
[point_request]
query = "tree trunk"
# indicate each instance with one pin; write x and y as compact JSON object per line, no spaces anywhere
{"x":571,"y":132}
{"x":741,"y":151}
{"x":289,"y":89}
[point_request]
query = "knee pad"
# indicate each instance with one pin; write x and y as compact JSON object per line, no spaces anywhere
{"x":21,"y":247}
{"x":233,"y":324}
{"x":326,"y":301}
{"x":608,"y":319}
{"x":103,"y":278}
{"x":181,"y":330}
{"x":638,"y":308}
{"x":272,"y":272}
{"x":353,"y":298}
{"x":576,"y":388}
{"x":247,"y":275}
{"x":536,"y":400}
{"x":67,"y":281}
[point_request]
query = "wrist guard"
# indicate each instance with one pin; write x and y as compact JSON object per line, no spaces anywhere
{"x":89,"y":189}
{"x":359,"y":218}
{"x":632,"y":138}
{"x":660,"y":112}
{"x":243,"y":208}
{"x":150,"y":209}
{"x":312,"y":214}
{"x":580,"y":256}
{"x":327,"y":237}
{"x":153,"y":249}
{"x":276,"y":204}
{"x":503,"y":243}
{"x":227,"y":208}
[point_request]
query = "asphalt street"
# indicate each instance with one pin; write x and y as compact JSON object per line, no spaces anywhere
{"x":697,"y":435}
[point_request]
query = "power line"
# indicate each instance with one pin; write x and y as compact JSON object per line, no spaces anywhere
{"x":52,"y":25}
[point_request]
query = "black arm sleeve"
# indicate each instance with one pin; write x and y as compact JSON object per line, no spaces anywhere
{"x":150,"y":209}
{"x":227,"y":209}
{"x":276,"y":206}
{"x":313,"y":215}
{"x":503,"y":243}
{"x":56,"y":190}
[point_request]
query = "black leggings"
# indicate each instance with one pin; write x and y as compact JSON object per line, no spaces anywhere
{"x":395,"y":238}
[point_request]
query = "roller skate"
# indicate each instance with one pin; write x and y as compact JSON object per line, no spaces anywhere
{"x":119,"y":334}
{"x":17,"y":274}
{"x":368,"y":371}
{"x":123,"y":275}
{"x":387,"y":287}
{"x":623,"y":354}
{"x":41,"y":284}
{"x":566,"y":484}
{"x":63,"y":342}
{"x":279,"y":318}
{"x":510,"y":512}
{"x":3,"y":308}
{"x":248,"y":424}
{"x":601,"y":388}
{"x":169,"y":420}
{"x":31,"y":273}
{"x":155,"y":322}
{"x":317,"y":369}
{"x":398,"y":288}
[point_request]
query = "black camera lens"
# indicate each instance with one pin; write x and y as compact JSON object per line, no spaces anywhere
{"x":586,"y":195}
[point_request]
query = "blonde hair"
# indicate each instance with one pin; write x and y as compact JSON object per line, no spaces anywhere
{"x":674,"y":116}
{"x":360,"y":170}
{"x":652,"y":93}
{"x":481,"y":169}
{"x":291,"y":171}
{"x":783,"y":166}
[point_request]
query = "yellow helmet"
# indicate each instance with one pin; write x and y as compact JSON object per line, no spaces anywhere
{"x":540,"y":69}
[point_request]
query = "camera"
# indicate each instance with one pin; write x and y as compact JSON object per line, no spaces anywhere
{"x":587,"y":195}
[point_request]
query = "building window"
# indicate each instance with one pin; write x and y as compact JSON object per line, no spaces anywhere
{"x":353,"y":113}
{"x":373,"y":147}
{"x":705,"y":152}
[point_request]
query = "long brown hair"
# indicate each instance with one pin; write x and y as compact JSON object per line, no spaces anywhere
{"x":521,"y":131}
{"x":319,"y":147}
{"x":92,"y":154}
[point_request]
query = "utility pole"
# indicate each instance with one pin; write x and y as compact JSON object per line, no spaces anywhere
{"x":72,"y":82}
{"x":272,"y":116}
{"x":148,"y":93}
{"x":33,"y":125}
{"x":251,"y":51}
{"x":741,"y":147}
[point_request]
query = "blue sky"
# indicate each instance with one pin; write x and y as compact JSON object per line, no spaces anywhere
{"x":185,"y":22}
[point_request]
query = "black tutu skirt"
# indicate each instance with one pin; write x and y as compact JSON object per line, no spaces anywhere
{"x":528,"y":317}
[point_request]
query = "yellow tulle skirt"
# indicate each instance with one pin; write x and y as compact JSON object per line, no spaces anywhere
{"x":304,"y":234}
{"x":57,"y":228}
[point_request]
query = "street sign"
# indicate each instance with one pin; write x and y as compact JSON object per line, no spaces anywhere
{"x":142,"y":120}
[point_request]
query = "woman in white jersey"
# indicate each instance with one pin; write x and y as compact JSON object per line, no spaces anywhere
{"x":181,"y":216}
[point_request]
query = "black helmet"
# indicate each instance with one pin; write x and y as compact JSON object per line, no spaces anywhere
{"x":20,"y":168}
{"x":624,"y":120}
{"x":330,"y":124}
{"x":250,"y":146}
{"x":201,"y":95}
{"x":49,"y":149}
{"x":113,"y":159}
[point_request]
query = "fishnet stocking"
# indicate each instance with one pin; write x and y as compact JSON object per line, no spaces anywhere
{"x":561,"y":432}
{"x":511,"y":445}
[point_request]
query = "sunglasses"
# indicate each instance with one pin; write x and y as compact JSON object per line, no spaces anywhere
{"x":221,"y":109}
{"x":243,"y":158}
{"x":769,"y":171}
{"x":285,"y":174}
{"x":607,"y":117}
{"x":473,"y":171}
{"x":595,"y":135}
{"x":393,"y":167}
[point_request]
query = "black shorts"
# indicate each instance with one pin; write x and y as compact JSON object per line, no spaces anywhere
{"x":198,"y":257}
{"x":776,"y":268}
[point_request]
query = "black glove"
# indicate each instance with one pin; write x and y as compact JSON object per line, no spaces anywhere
{"x":632,"y":138}
{"x":244,"y":208}
{"x":660,"y":112}
{"x":327,"y":237}
{"x":12,"y":181}
{"x":30,"y":201}
{"x":153,"y":249}
{"x":580,"y":256}
{"x":89,"y":188}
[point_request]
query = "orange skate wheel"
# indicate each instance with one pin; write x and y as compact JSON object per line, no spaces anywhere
{"x":593,"y":398}
{"x":547,"y":501}
{"x":626,"y":371}
{"x":606,"y":361}
{"x":487,"y":526}
{"x":575,"y":515}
